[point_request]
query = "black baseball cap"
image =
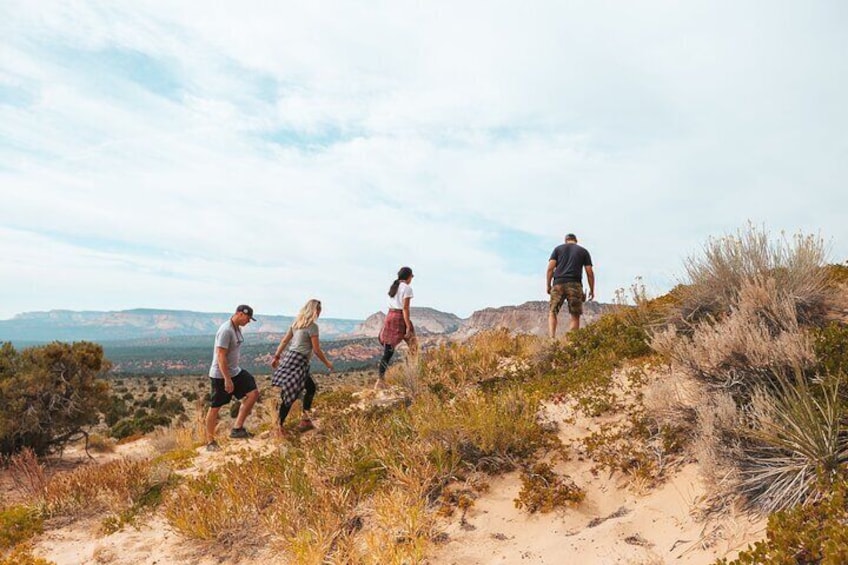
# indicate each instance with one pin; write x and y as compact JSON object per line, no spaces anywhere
{"x":245,"y":309}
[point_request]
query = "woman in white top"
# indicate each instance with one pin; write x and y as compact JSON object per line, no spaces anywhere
{"x":398,"y":326}
{"x":291,"y":371}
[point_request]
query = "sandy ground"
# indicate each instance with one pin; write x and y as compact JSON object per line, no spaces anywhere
{"x":655,"y":528}
{"x":614,"y":524}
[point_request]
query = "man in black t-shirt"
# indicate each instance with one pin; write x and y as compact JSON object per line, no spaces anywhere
{"x":565,"y":281}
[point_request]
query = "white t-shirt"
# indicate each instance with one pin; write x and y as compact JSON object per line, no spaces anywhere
{"x":404,"y":291}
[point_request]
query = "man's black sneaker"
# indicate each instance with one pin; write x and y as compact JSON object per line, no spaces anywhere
{"x":213,"y":446}
{"x":240,"y":433}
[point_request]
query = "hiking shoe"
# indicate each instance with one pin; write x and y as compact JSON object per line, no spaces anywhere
{"x":305,"y":426}
{"x":240,"y":433}
{"x":213,"y":446}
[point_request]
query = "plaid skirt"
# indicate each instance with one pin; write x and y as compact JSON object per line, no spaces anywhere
{"x":290,"y":375}
{"x":394,"y":328}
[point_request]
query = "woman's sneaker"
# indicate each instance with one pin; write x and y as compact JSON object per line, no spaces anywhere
{"x":305,"y":426}
{"x":213,"y":446}
{"x":240,"y":433}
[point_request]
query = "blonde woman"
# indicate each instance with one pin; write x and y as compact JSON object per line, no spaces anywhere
{"x":291,"y":369}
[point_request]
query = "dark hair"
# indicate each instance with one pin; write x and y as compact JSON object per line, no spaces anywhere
{"x":570,"y":237}
{"x":403,"y":274}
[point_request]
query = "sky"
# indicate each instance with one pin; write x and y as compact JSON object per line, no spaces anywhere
{"x":198,"y":155}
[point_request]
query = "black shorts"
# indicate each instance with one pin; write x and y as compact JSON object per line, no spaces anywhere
{"x":242,"y":383}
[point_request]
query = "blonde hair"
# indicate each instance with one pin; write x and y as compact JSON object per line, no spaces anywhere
{"x":308,"y":314}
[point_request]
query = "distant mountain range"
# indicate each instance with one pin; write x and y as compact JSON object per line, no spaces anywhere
{"x":144,"y":326}
{"x":141,"y":323}
{"x":147,"y":341}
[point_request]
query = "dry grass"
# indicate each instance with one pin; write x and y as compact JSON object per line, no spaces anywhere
{"x":92,"y":489}
{"x":716,"y":277}
{"x":365,"y":490}
{"x":486,"y":356}
{"x":27,"y":472}
{"x":101,"y":444}
{"x":744,"y":324}
{"x":759,"y":339}
{"x":176,"y":438}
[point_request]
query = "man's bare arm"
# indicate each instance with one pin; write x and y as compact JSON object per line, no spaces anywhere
{"x":590,"y":276}
{"x":224,"y":368}
{"x":549,"y":275}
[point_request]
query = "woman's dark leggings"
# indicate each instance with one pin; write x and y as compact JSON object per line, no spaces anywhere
{"x":388,"y":351}
{"x":311,"y":389}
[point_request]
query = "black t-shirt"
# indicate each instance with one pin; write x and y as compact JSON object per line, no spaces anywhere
{"x":570,"y":259}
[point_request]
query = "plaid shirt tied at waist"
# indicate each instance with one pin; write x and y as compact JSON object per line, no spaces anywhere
{"x":290,"y":375}
{"x":394,"y":328}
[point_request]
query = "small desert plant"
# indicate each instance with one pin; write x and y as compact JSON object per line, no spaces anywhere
{"x":831,"y":349}
{"x":100,"y":444}
{"x":717,"y":275}
{"x":492,"y":431}
{"x":838,"y":274}
{"x":18,"y":524}
{"x":757,"y":341}
{"x":21,"y":554}
{"x":455,"y":366}
{"x":543,"y":490}
{"x":165,"y":440}
{"x":810,"y":533}
{"x":28,"y":473}
{"x":798,"y":436}
{"x":640,"y":446}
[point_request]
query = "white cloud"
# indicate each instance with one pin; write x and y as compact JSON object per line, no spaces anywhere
{"x":311,"y":149}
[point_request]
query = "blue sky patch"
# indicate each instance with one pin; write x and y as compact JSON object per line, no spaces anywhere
{"x":15,"y":96}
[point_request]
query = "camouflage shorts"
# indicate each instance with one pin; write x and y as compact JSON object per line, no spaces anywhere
{"x":571,"y":291}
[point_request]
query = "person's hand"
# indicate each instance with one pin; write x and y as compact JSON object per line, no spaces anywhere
{"x":330,"y":367}
{"x":591,"y":296}
{"x":548,"y":290}
{"x":275,"y":362}
{"x":228,"y":385}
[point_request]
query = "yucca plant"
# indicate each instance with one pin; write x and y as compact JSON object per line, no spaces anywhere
{"x":799,"y":437}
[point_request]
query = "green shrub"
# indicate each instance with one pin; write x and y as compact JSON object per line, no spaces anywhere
{"x":116,"y":408}
{"x":838,"y":274}
{"x":49,"y":394}
{"x":490,"y":431}
{"x":22,"y":555}
{"x":18,"y":524}
{"x":811,"y":533}
{"x":142,"y":423}
{"x":583,"y":365}
{"x":830,"y":344}
{"x":639,"y":447}
{"x":543,"y":490}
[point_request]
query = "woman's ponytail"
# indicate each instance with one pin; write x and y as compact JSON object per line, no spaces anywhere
{"x":394,"y":288}
{"x":403,"y":275}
